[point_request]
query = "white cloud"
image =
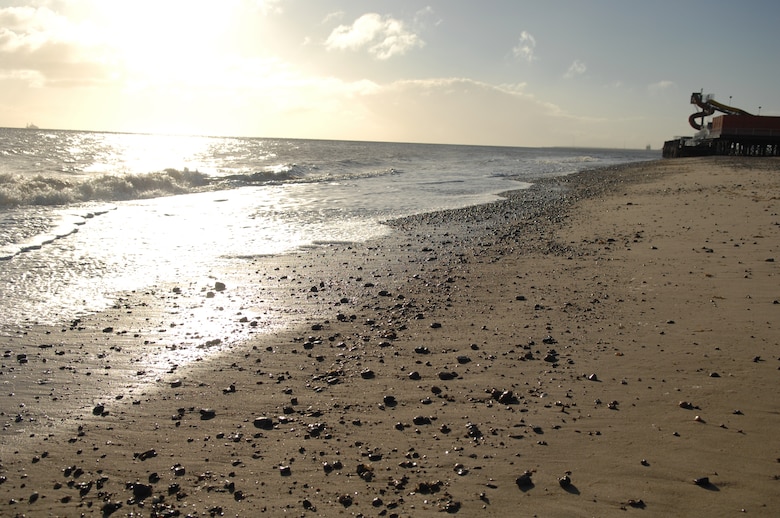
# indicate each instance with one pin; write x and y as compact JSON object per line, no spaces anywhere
{"x":384,"y":37}
{"x":526,"y":47}
{"x":660,"y":86}
{"x":45,"y":47}
{"x":576,"y":69}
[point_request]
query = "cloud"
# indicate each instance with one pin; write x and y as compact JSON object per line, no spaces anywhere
{"x":525,"y":48}
{"x":267,"y":7}
{"x":47,"y":48}
{"x":576,"y":69}
{"x":384,"y":37}
{"x":660,"y":86}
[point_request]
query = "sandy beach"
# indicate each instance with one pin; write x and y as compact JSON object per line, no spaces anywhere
{"x":604,"y":347}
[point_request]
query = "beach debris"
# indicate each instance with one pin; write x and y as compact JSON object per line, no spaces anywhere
{"x":565,"y":480}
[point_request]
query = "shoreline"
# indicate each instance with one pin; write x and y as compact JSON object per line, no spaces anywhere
{"x":605,"y":271}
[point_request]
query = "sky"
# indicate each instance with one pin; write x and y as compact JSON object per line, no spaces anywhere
{"x":585,"y":73}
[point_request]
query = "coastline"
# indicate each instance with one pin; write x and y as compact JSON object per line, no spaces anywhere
{"x":654,"y":284}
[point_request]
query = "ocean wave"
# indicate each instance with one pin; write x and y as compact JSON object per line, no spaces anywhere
{"x":19,"y":190}
{"x":295,"y":173}
{"x":281,"y":173}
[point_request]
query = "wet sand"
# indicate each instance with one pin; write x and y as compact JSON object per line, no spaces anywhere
{"x":603,"y":344}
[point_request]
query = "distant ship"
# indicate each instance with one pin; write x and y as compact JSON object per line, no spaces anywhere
{"x":32,"y":126}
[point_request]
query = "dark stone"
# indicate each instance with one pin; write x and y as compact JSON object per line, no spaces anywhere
{"x":265,"y":423}
{"x":142,"y":491}
{"x":524,"y":481}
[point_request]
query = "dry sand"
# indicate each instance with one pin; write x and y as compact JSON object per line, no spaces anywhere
{"x":619,"y":330}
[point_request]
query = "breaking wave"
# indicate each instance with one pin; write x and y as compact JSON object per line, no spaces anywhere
{"x":53,"y":190}
{"x":17,"y":190}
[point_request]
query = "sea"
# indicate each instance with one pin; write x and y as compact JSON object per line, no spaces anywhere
{"x":88,"y":216}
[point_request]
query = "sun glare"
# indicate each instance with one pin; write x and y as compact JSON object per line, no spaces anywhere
{"x":164,"y":41}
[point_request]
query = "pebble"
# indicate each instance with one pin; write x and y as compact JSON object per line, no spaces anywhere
{"x":421,"y":420}
{"x":265,"y":423}
{"x":524,"y":481}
